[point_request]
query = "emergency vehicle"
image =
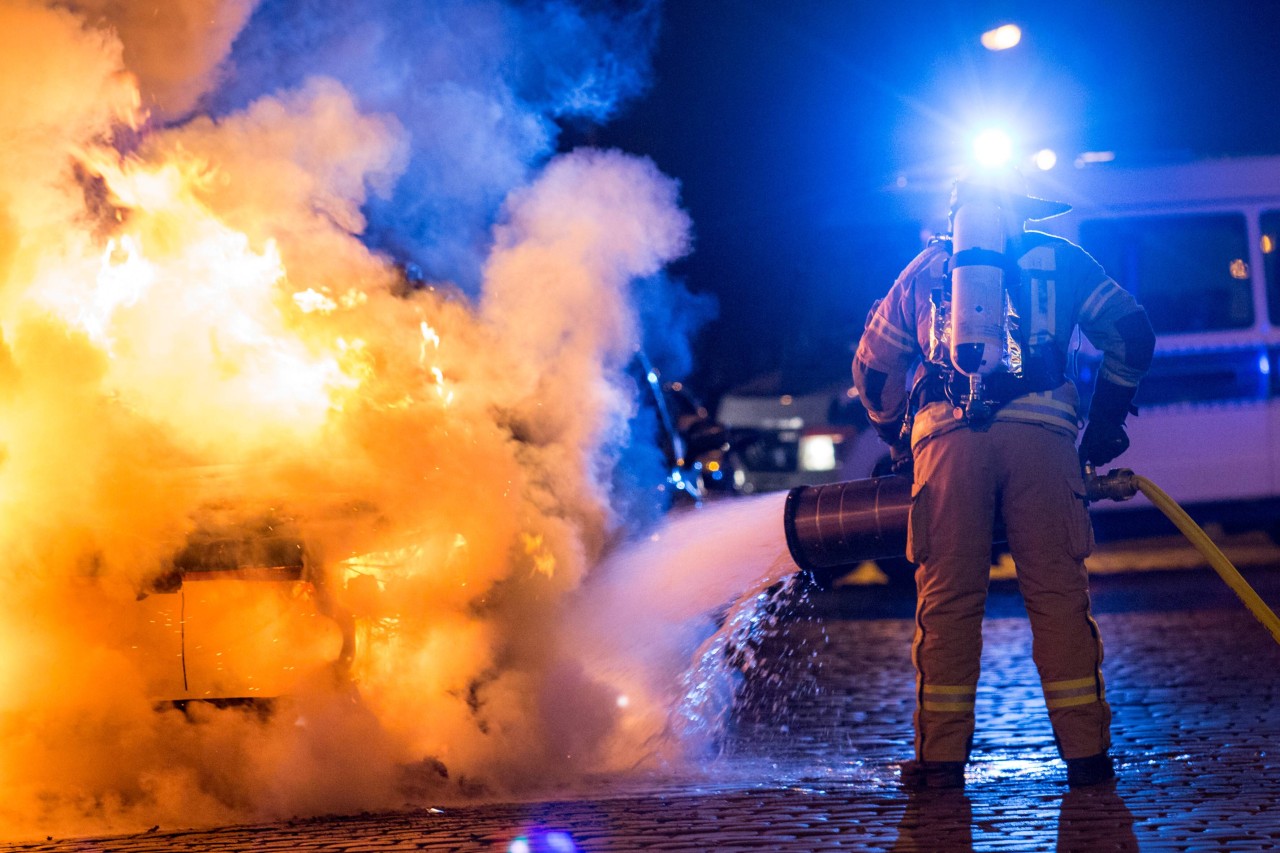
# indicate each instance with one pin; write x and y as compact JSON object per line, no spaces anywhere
{"x":1196,"y":243}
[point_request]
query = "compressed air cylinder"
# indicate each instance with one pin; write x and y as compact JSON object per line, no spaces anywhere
{"x":977,"y":288}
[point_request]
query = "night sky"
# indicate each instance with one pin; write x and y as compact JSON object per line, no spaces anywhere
{"x":778,"y":118}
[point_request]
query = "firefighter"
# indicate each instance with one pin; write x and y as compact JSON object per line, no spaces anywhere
{"x":963,"y":369}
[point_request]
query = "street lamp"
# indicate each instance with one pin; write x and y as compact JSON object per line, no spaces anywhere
{"x":1002,"y":37}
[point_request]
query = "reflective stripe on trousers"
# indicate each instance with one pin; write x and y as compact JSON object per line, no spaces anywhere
{"x":1035,"y":473}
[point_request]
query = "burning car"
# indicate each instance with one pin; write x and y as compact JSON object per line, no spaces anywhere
{"x":246,"y":607}
{"x":249,"y":605}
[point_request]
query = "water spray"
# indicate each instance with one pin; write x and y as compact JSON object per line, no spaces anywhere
{"x":842,"y":524}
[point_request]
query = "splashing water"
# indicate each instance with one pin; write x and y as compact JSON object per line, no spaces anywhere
{"x":711,"y":683}
{"x":671,"y":621}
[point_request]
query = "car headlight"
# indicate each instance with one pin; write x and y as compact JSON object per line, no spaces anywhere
{"x":818,"y":452}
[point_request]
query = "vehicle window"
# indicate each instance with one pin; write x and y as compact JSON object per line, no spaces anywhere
{"x":1190,"y":272}
{"x":1207,"y":377}
{"x":1202,"y":377}
{"x":1271,"y":262}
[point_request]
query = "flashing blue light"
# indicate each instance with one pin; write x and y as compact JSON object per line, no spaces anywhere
{"x":553,"y":841}
{"x":992,"y":147}
{"x":1045,"y":159}
{"x":1002,"y":38}
{"x":560,"y":842}
{"x":1264,"y":364}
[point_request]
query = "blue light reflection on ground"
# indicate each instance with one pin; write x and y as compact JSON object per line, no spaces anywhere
{"x":543,"y":841}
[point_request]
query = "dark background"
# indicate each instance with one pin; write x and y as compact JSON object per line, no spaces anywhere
{"x":781,"y":118}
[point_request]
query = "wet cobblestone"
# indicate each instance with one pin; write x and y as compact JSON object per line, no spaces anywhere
{"x":810,"y":763}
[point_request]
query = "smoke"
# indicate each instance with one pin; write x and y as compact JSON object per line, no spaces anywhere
{"x":175,"y":49}
{"x":212,"y":356}
{"x":478,"y":85}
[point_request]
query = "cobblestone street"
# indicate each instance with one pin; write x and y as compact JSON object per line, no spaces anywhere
{"x":811,"y":760}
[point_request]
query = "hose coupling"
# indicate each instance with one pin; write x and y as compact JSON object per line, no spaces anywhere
{"x":1118,"y":484}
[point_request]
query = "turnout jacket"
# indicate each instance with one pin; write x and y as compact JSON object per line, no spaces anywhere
{"x":1060,"y":287}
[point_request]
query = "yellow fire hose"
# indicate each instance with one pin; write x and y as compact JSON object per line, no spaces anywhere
{"x":1122,"y":484}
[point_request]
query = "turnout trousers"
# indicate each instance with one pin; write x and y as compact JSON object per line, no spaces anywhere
{"x":1031,"y":476}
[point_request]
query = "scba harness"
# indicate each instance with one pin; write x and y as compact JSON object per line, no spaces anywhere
{"x":1022,"y":369}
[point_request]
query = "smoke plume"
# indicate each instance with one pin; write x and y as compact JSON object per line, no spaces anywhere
{"x":302,"y":291}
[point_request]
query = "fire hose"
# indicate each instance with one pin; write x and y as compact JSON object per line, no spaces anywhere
{"x":1217,"y":560}
{"x":841,"y":524}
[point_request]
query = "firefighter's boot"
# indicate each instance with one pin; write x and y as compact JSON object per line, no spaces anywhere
{"x":1093,"y":770}
{"x":917,"y":775}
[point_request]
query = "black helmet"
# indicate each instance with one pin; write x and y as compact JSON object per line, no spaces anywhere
{"x":1007,"y":188}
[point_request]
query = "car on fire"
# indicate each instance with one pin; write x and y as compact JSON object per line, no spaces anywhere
{"x":246,"y":609}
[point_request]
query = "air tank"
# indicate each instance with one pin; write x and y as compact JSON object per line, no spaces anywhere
{"x":977,"y":288}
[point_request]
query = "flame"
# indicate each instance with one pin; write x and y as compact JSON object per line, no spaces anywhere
{"x":181,"y":298}
{"x":543,"y":560}
{"x":122,"y":280}
{"x":199,"y":357}
{"x":429,"y":336}
{"x":431,"y":339}
{"x":310,"y":300}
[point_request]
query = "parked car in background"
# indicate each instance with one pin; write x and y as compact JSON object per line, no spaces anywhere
{"x":694,"y":445}
{"x":803,"y":433}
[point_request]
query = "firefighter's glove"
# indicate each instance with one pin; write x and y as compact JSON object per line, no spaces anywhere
{"x":1104,"y":437}
{"x":902,"y":462}
{"x":1102,"y":442}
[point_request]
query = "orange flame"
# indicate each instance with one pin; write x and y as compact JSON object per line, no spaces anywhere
{"x":199,"y":358}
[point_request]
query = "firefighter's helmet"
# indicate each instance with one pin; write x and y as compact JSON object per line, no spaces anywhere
{"x":1007,"y":188}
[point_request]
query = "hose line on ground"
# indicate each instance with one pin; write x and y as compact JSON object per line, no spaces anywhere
{"x":1212,"y":553}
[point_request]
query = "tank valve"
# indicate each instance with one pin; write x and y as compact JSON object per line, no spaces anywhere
{"x":977,"y":411}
